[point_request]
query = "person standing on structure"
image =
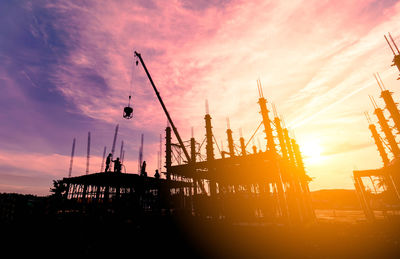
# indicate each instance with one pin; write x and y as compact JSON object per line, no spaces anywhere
{"x":157,"y":174}
{"x":117,"y":165}
{"x":108,"y":161}
{"x":143,"y":169}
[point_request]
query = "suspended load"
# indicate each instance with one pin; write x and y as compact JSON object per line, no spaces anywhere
{"x":128,"y":111}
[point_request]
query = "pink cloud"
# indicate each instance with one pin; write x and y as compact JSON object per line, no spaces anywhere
{"x":310,"y":56}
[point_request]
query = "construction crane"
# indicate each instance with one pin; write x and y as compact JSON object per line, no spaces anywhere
{"x":164,"y":108}
{"x":396,"y":59}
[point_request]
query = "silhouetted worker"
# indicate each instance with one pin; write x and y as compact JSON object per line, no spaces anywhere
{"x":143,"y":169}
{"x":157,"y":175}
{"x":108,"y":161}
{"x":117,"y":165}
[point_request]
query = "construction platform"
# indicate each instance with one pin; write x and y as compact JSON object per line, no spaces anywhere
{"x":109,"y":186}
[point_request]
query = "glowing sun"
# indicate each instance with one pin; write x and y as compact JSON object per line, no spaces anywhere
{"x":311,"y":151}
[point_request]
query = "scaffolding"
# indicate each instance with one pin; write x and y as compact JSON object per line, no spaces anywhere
{"x":269,"y":185}
{"x":378,"y":189}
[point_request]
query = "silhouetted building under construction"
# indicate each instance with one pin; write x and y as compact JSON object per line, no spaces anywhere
{"x":239,"y":185}
{"x":378,"y":189}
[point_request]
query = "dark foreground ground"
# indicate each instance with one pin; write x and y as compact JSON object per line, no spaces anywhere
{"x":31,"y":226}
{"x":176,"y":237}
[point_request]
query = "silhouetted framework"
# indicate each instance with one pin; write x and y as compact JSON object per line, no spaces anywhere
{"x":243,"y":186}
{"x":270,"y":185}
{"x":379,"y":145}
{"x":378,"y":189}
{"x":128,"y":195}
{"x":387,"y":199}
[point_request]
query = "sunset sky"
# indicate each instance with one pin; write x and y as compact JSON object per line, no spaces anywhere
{"x":66,"y":68}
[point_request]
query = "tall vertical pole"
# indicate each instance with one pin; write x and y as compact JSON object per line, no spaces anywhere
{"x":387,"y":131}
{"x":281,"y":138}
{"x":379,"y":144}
{"x":140,"y":160}
{"x":390,"y":104}
{"x":266,"y":120}
{"x":242,"y":146}
{"x":88,"y":154}
{"x":168,"y":152}
{"x":396,"y":59}
{"x":392,"y":108}
{"x":299,"y":158}
{"x":394,"y":53}
{"x":122,"y":148}
{"x":122,"y":156}
{"x":72,"y":158}
{"x":193,"y":150}
{"x":298,"y":184}
{"x":288,"y":145}
{"x":210,"y":151}
{"x":102,"y":161}
{"x":160,"y":162}
{"x":210,"y":163}
{"x":303,"y":180}
{"x":271,"y":147}
{"x":230,"y":141}
{"x":267,"y":125}
{"x":193,"y":161}
{"x":114,"y":140}
{"x":209,"y":135}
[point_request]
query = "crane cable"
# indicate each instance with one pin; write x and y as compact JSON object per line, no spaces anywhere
{"x":131,"y":83}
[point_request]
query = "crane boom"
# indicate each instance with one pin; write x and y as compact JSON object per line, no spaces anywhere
{"x":164,"y":108}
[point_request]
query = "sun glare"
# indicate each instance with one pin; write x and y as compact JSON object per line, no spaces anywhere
{"x":312,"y":151}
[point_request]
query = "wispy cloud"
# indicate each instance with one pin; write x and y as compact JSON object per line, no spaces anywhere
{"x":315,"y":60}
